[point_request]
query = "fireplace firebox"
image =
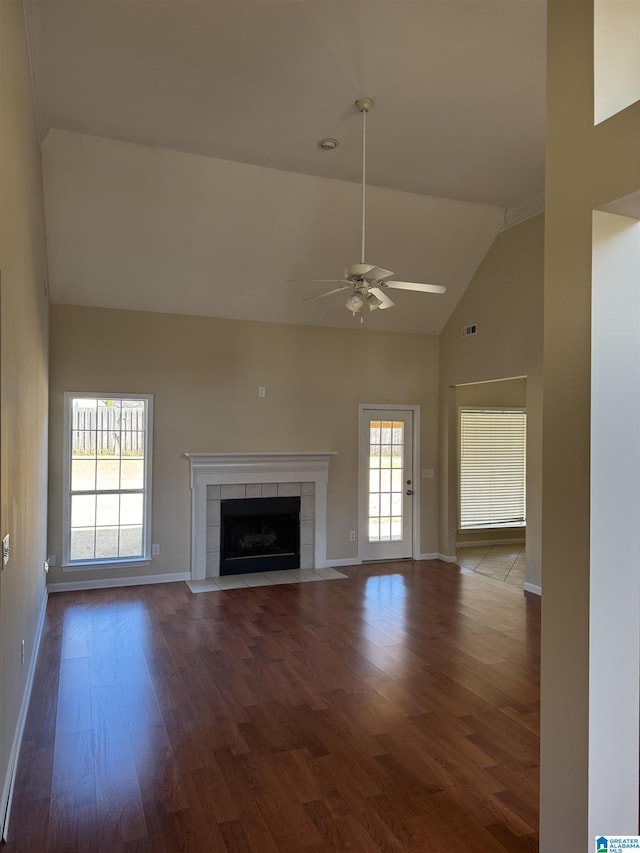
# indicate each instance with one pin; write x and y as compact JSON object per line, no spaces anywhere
{"x":259,"y":535}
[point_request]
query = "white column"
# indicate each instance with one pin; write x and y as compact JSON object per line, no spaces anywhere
{"x":614,"y":609}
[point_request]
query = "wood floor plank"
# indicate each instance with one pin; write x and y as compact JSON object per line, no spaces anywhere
{"x":30,"y":822}
{"x":330,"y":829}
{"x":34,"y":773}
{"x":140,"y":700}
{"x":159,"y":777}
{"x":118,"y":801}
{"x":395,"y":710}
{"x":74,"y":696}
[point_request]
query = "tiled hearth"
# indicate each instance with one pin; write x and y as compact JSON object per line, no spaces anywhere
{"x":265,"y":579}
{"x":222,"y":476}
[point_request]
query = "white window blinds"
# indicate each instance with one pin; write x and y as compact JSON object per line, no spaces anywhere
{"x":492,"y":467}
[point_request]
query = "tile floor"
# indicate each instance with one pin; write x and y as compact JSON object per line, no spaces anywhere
{"x":502,"y":562}
{"x":264,"y":579}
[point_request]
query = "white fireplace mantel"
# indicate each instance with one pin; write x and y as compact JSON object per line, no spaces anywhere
{"x":209,"y":469}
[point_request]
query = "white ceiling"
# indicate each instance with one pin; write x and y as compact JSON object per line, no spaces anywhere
{"x":459,"y":87}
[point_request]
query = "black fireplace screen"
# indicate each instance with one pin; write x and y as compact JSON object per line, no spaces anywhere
{"x":259,"y":535}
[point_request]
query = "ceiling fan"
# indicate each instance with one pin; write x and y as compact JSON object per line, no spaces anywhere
{"x":368,"y":283}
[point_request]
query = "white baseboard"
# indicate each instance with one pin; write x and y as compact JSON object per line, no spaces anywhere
{"x":346,"y":561}
{"x":446,"y":558}
{"x":106,"y":583}
{"x":533,"y":587}
{"x":7,"y":788}
{"x":480,"y":542}
{"x":433,"y":556}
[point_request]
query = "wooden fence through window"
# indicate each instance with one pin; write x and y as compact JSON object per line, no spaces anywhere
{"x":108,"y":431}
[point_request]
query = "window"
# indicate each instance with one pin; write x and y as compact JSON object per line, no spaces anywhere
{"x":386,"y":458}
{"x":492,"y":467}
{"x":107,"y":501}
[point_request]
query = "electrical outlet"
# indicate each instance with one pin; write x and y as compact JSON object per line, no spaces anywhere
{"x":22,"y":652}
{"x":6,"y":550}
{"x":352,"y":536}
{"x":261,"y":391}
{"x":155,"y":550}
{"x":51,"y":559}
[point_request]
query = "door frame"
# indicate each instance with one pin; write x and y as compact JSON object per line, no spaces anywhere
{"x":415,"y":478}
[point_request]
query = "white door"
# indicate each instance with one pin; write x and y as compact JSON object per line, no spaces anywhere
{"x":386,"y":484}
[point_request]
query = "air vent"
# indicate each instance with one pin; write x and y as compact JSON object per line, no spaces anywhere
{"x":465,"y":331}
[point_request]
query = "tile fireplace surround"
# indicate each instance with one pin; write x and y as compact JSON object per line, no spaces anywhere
{"x":239,"y":475}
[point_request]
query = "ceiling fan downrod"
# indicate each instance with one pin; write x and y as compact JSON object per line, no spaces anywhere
{"x":364,"y":105}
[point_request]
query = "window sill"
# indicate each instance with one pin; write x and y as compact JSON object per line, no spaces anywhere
{"x":113,"y":564}
{"x":511,"y":526}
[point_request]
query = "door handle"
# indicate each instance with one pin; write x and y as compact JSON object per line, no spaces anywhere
{"x":409,"y":491}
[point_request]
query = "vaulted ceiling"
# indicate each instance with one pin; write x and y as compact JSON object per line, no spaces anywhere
{"x":180,"y":159}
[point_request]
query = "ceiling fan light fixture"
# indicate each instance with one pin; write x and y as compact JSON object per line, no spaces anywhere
{"x":354,"y":303}
{"x":373,"y":302}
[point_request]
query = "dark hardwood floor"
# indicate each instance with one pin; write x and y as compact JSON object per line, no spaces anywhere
{"x":396,"y":710}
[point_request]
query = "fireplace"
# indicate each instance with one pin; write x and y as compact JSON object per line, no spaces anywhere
{"x":259,"y":535}
{"x":217,"y":477}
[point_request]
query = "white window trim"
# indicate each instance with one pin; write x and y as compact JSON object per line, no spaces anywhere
{"x":77,"y":565}
{"x":497,"y":525}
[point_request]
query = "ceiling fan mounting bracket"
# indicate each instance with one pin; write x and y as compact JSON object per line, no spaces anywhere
{"x":364,"y":104}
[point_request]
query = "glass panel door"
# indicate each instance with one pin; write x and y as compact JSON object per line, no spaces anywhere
{"x":386,"y":484}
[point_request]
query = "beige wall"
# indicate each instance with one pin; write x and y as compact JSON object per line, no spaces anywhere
{"x":205,"y":374}
{"x":503,"y":392}
{"x":505,"y":300}
{"x":23,"y":378}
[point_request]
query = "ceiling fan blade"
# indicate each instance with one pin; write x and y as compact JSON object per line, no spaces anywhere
{"x":317,"y":281}
{"x":345,"y":286}
{"x":417,"y":286}
{"x":378,"y":274}
{"x":385,"y":301}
